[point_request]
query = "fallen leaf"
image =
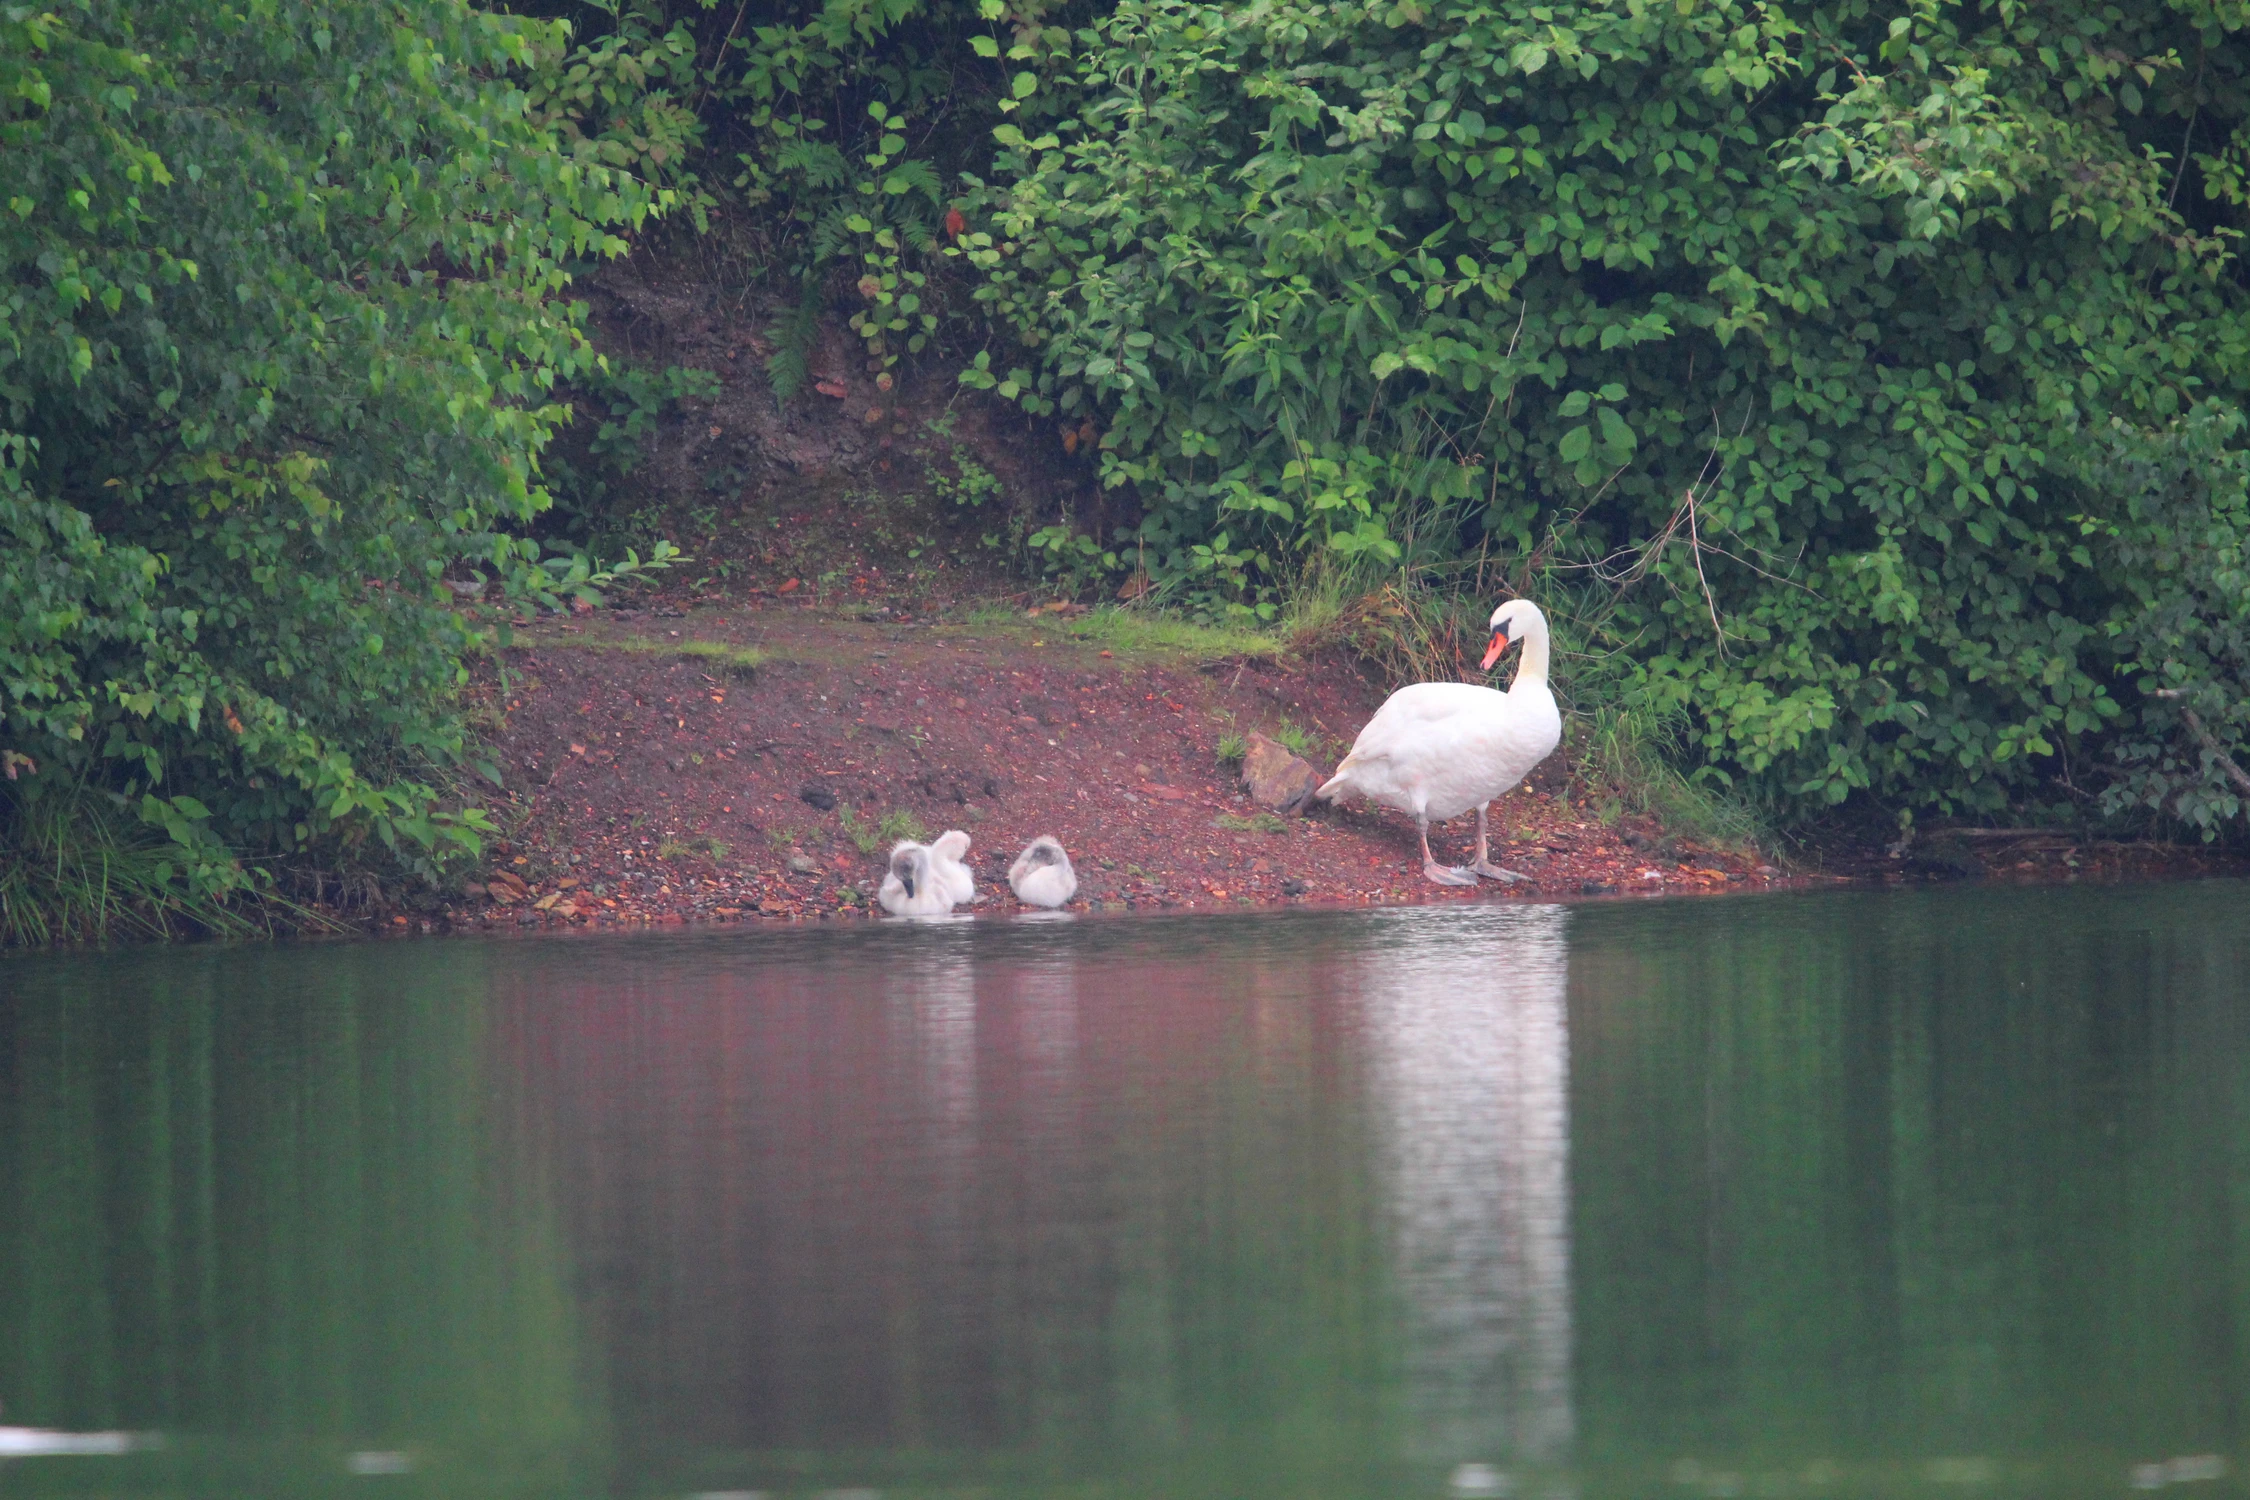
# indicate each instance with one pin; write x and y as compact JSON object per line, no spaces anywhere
{"x":832,"y":387}
{"x":788,"y":588}
{"x":578,"y":749}
{"x":547,"y":902}
{"x":954,"y":224}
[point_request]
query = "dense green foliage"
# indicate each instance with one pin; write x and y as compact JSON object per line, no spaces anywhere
{"x":1867,"y":378}
{"x":278,"y":337}
{"x":1866,"y":375}
{"x":1811,"y":335}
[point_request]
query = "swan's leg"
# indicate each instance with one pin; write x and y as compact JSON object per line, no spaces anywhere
{"x":1484,"y":865}
{"x":1437,"y":873}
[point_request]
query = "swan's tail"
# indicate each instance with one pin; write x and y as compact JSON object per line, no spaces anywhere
{"x":1336,"y":785}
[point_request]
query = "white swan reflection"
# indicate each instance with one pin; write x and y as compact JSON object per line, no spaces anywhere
{"x":939,"y":988}
{"x":1470,"y":1066}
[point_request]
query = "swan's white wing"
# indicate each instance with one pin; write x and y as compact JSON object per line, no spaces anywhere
{"x":1415,"y":710}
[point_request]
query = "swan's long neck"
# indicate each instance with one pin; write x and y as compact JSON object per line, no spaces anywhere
{"x":1531,"y":667}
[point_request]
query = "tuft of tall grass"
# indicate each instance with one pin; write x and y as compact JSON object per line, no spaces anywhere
{"x":77,"y":866}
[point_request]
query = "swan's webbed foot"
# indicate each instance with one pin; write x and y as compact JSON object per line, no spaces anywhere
{"x":1443,"y":875}
{"x":1491,"y":871}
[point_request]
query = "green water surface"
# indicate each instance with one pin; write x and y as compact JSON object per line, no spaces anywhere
{"x":1939,"y":1193}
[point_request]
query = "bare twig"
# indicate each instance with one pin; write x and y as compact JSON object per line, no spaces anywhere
{"x":712,"y":81}
{"x":1695,"y":544}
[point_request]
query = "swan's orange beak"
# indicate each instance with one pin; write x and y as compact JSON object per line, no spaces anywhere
{"x":1500,"y":643}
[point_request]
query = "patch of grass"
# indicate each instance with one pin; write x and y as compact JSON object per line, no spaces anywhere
{"x":1232,"y":748}
{"x":898,"y":824}
{"x":76,"y":867}
{"x":1258,"y":823}
{"x":1298,"y":739}
{"x":781,"y":838}
{"x":1135,"y":633}
{"x":709,"y":848}
{"x":1147,"y":633}
{"x":872,"y":838}
{"x":1624,"y":759}
{"x":739,"y":661}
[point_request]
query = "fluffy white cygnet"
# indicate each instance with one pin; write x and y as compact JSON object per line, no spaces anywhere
{"x":949,"y":854}
{"x":1041,"y":875}
{"x":911,"y":888}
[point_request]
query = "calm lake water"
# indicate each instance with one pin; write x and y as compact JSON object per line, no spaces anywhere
{"x":1856,"y":1194}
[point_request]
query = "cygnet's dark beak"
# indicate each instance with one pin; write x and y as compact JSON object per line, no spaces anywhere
{"x":1499,"y":644}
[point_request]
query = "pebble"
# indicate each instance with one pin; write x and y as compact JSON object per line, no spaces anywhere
{"x":804,"y":864}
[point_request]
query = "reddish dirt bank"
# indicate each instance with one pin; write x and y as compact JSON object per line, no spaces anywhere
{"x":738,"y":763}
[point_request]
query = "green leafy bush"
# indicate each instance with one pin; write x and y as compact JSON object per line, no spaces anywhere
{"x":277,"y":345}
{"x":2177,"y":540}
{"x":1783,"y":325}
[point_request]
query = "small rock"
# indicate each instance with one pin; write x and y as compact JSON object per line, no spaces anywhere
{"x":1768,"y":871}
{"x":804,"y":864}
{"x":1293,"y":887}
{"x":1276,"y":778}
{"x":1143,"y":772}
{"x":1597,"y":888}
{"x":813,"y":794}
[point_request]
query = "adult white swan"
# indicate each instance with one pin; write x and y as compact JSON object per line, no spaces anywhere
{"x":1437,"y":749}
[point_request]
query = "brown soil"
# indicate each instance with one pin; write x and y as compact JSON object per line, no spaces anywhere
{"x":658,"y":786}
{"x":652,"y":784}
